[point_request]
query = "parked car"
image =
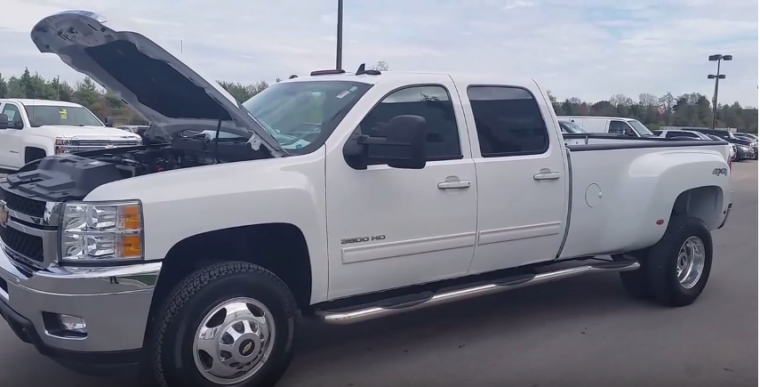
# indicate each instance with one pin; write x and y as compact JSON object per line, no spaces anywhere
{"x":613,"y":125}
{"x":734,"y":150}
{"x":680,"y":134}
{"x":730,"y":137}
{"x":746,"y":137}
{"x":745,"y":152}
{"x":400,"y":191}
{"x":31,"y":129}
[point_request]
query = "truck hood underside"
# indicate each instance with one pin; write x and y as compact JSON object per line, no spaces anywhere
{"x":146,"y":77}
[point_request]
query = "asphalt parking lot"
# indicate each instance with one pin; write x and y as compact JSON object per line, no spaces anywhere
{"x":580,"y":332}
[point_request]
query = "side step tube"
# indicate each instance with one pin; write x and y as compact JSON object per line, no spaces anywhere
{"x":346,"y":316}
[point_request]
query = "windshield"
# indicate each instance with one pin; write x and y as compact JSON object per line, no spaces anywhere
{"x":301,"y":115}
{"x":743,"y":136}
{"x":700,"y":135}
{"x":40,"y":115}
{"x":641,"y":129}
{"x":572,"y":127}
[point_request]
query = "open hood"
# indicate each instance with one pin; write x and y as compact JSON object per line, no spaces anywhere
{"x":149,"y":79}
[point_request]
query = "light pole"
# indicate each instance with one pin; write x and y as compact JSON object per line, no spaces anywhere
{"x":717,"y":77}
{"x":339,"y":48}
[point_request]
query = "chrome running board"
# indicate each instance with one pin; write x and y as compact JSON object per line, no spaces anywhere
{"x":418,"y":301}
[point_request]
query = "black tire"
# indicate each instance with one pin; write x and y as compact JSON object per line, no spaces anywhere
{"x":657,"y":279}
{"x":171,"y":344}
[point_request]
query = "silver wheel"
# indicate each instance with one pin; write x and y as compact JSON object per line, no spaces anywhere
{"x":691,"y":262}
{"x":234,"y":341}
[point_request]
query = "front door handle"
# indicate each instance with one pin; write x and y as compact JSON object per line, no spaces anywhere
{"x":546,"y":174}
{"x":454,"y":184}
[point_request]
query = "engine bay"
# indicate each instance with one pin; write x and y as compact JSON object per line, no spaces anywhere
{"x":66,"y":177}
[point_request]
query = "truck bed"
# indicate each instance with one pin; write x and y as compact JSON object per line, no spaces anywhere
{"x":618,"y":185}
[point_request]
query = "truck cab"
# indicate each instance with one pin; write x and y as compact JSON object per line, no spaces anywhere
{"x":31,"y":129}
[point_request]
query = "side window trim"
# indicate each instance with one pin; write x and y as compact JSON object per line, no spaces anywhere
{"x":17,"y":117}
{"x":458,"y":156}
{"x":546,"y":147}
{"x":609,"y":130}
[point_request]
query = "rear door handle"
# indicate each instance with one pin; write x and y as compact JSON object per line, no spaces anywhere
{"x":461,"y":184}
{"x":546,"y":174}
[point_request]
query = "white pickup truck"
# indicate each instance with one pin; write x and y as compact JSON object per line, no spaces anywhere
{"x":31,"y":129}
{"x":339,"y":197}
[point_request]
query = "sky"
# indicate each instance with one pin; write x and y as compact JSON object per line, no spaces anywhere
{"x":590,"y":49}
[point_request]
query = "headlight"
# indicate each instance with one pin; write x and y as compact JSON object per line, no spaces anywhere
{"x":63,"y":145}
{"x":97,"y":232}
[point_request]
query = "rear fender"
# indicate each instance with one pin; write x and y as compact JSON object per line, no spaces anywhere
{"x":695,"y":183}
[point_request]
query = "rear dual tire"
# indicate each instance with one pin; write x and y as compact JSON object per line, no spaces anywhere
{"x":673,"y":272}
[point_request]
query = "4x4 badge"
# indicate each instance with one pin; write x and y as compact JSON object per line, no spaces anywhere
{"x":720,"y":171}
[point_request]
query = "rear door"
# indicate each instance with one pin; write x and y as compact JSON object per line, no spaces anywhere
{"x":521,"y":176}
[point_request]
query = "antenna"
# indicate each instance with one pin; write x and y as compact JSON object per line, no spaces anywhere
{"x":362,"y":70}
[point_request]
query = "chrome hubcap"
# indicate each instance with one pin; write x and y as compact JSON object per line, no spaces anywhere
{"x":234,"y":341}
{"x":691,"y":262}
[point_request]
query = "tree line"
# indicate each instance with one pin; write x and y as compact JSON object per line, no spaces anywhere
{"x":691,"y":109}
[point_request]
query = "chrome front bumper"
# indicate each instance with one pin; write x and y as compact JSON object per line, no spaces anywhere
{"x":114,"y":303}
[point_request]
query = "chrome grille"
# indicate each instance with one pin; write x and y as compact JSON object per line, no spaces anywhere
{"x":81,"y":145}
{"x":104,"y":143}
{"x":21,"y":204}
{"x":29,"y":235}
{"x":29,"y":246}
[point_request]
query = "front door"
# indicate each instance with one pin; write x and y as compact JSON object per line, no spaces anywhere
{"x":521,"y":177}
{"x":390,"y":228}
{"x":621,"y":128}
{"x":11,"y":156}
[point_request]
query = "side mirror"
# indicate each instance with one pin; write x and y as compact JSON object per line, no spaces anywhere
{"x":108,"y":121}
{"x":630,"y":133}
{"x":4,"y":121}
{"x":403,"y":147}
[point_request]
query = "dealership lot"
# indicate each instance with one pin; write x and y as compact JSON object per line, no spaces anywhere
{"x":577,"y":332}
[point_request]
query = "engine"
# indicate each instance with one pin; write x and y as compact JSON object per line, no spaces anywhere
{"x":68,"y":177}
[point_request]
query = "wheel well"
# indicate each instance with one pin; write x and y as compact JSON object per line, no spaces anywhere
{"x":31,"y":154}
{"x":705,"y":203}
{"x":278,"y":247}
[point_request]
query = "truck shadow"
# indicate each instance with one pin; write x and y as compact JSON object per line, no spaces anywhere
{"x":327,"y":351}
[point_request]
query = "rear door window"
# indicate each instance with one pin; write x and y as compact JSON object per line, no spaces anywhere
{"x":508,"y":121}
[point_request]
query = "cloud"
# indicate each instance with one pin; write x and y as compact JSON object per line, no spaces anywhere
{"x":586,"y":48}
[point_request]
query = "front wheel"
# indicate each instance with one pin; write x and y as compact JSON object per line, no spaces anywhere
{"x":229,"y":324}
{"x":674,"y":272}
